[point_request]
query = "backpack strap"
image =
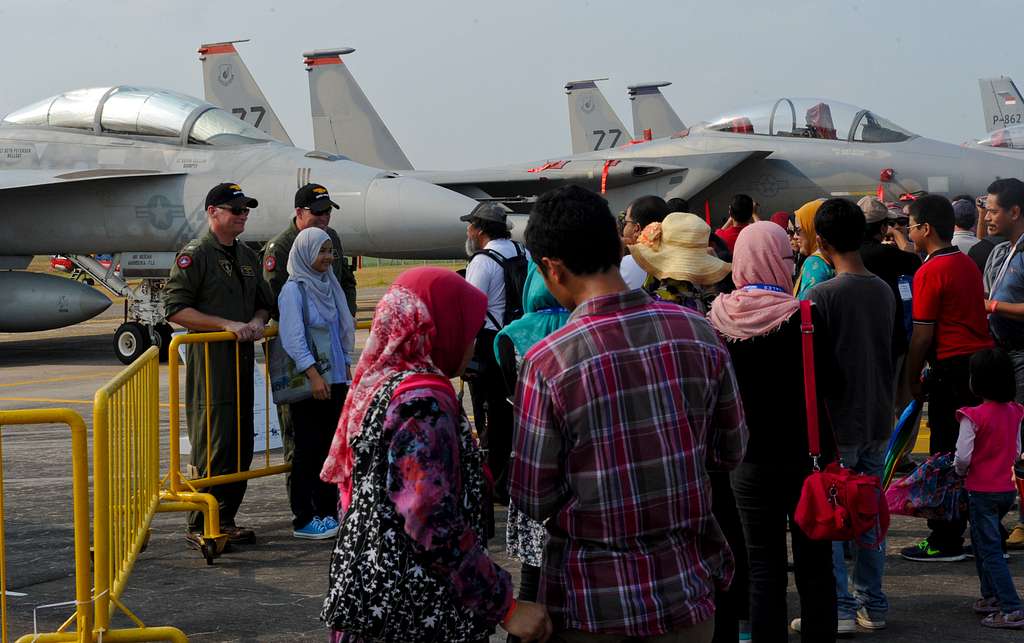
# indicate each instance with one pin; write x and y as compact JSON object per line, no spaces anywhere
{"x":810,"y":383}
{"x":499,"y":259}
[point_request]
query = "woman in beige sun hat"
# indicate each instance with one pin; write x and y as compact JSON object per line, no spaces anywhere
{"x":680,"y":268}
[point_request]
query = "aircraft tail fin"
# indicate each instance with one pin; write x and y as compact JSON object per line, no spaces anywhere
{"x":229,"y":85}
{"x":344,"y":120}
{"x":1001,"y":102}
{"x":593,"y":124}
{"x":651,"y":111}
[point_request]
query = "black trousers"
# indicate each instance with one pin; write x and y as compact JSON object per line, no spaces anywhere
{"x":314,"y":423}
{"x":492,"y":412}
{"x":948,"y":390}
{"x":731,"y":605}
{"x":766,"y":496}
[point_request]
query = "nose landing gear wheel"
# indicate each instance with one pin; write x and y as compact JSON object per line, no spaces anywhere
{"x":131,"y":339}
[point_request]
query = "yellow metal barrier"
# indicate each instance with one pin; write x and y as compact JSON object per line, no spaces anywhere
{"x":177,"y":482}
{"x":80,"y":503}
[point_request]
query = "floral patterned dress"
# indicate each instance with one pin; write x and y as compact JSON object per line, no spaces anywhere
{"x":410,"y":562}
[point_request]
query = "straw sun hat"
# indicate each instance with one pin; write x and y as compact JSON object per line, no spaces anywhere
{"x":677,"y":248}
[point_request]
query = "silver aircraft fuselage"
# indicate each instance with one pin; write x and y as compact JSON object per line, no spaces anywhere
{"x":65,"y":191}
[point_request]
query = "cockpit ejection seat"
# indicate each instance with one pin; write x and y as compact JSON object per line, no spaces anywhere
{"x":819,"y":122}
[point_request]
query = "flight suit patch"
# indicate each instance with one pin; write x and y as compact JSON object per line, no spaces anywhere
{"x":247,"y":271}
{"x":269,"y":263}
{"x":225,"y":266}
{"x":184,"y":261}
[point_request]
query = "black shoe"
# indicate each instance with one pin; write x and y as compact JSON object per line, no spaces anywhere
{"x":238,"y":534}
{"x":923,"y":552}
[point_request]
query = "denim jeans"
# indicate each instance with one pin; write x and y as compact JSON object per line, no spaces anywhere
{"x":868,"y":563}
{"x":987,"y":511}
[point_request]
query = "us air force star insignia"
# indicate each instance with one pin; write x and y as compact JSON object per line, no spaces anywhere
{"x":225,"y":265}
{"x":184,"y":261}
{"x":269,"y":263}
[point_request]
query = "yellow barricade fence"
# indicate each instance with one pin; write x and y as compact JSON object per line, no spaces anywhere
{"x":177,"y":482}
{"x":82,"y":618}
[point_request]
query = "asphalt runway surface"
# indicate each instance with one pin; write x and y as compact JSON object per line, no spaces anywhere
{"x":272,"y":590}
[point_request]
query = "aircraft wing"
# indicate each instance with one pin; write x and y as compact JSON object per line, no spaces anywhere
{"x":16,"y":179}
{"x":509,"y":184}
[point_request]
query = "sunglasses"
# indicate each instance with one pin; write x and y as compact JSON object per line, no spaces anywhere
{"x":235,"y":211}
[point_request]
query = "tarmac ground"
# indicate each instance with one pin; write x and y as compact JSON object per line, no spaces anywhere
{"x":272,"y":590}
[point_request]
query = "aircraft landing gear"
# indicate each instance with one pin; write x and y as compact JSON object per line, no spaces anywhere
{"x":144,"y":324}
{"x":131,"y":339}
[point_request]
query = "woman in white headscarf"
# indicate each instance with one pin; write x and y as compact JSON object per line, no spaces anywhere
{"x":314,"y":503}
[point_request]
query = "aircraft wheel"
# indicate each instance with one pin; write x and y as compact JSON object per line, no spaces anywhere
{"x":163,"y":334}
{"x":131,"y":339}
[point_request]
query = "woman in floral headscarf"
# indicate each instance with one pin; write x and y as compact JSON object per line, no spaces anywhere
{"x":410,"y":563}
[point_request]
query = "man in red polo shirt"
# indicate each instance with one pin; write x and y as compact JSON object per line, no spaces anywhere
{"x":741,"y":214}
{"x":949,"y":326}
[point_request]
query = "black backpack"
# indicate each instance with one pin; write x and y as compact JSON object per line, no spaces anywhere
{"x":514,"y":270}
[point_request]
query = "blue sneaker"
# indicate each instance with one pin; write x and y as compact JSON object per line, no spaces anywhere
{"x":314,"y":530}
{"x":330,"y":525}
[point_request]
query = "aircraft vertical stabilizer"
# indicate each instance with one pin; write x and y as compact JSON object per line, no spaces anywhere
{"x":1001,"y":102}
{"x":344,"y":120}
{"x":229,"y":85}
{"x":593,"y":123}
{"x":652,"y":112}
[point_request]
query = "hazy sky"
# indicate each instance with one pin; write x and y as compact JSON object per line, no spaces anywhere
{"x":470,"y":83}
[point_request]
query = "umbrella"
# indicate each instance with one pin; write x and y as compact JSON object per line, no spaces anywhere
{"x":902,"y":440}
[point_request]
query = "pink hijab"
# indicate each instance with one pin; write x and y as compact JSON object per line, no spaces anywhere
{"x":425,"y":322}
{"x":762,"y":269}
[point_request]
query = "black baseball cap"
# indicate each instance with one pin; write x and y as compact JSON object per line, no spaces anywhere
{"x":229,"y":195}
{"x":315,"y":197}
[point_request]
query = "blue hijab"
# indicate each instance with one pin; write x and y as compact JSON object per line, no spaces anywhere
{"x":542,"y":316}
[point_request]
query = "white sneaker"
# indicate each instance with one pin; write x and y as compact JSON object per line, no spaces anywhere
{"x":868,"y":623}
{"x":846,"y":626}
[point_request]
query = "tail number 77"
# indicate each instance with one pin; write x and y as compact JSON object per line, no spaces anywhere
{"x":260,"y":112}
{"x":603,"y":133}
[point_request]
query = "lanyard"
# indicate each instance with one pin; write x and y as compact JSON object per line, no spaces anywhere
{"x":769,"y":287}
{"x":1006,"y":265}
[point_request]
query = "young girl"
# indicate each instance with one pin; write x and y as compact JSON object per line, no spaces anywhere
{"x":988,"y":445}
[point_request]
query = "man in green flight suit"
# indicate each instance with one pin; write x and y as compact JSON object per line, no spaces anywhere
{"x":313,"y":208}
{"x":215,"y":286}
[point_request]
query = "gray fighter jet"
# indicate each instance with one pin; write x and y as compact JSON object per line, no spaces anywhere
{"x":653,"y":117}
{"x":125,"y":169}
{"x":783,"y":153}
{"x":344,"y":119}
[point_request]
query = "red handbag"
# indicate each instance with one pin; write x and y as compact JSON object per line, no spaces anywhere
{"x":837,"y":503}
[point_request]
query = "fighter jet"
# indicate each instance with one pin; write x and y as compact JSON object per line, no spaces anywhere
{"x":125,"y":170}
{"x":345,"y":122}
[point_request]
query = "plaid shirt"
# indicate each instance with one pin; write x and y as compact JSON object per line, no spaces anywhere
{"x":619,"y":414}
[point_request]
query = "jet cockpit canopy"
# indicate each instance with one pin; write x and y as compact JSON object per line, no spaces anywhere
{"x":1006,"y":138}
{"x":811,"y":118}
{"x":138,"y":111}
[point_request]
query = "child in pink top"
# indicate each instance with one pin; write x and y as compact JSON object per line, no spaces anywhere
{"x":986,"y":449}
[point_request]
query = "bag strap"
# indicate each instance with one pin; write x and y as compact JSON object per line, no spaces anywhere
{"x":810,"y":382}
{"x":310,"y":344}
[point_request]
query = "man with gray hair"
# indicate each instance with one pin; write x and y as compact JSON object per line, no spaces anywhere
{"x":965,"y":219}
{"x":497,"y":266}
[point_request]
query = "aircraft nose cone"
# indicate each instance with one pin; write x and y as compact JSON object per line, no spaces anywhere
{"x":411,"y":218}
{"x":92,"y":303}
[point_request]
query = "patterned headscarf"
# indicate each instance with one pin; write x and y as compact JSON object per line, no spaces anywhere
{"x":425,"y":322}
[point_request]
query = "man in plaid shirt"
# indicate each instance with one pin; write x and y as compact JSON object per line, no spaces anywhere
{"x":619,"y":415}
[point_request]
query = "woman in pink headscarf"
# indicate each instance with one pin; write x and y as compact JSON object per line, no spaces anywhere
{"x":410,"y":562}
{"x":760,"y":322}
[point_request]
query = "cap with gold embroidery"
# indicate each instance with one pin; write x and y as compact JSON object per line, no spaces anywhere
{"x":315,"y":197}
